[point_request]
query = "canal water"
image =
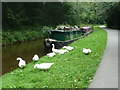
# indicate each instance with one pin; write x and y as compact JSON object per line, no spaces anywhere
{"x":25,"y":50}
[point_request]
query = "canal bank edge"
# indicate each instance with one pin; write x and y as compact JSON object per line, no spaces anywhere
{"x":82,"y":66}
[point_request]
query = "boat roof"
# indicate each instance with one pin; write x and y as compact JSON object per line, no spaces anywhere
{"x":86,"y":27}
{"x":64,"y":30}
{"x":50,"y":39}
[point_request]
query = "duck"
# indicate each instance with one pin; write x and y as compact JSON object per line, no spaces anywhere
{"x":35,"y":57}
{"x":68,"y":47}
{"x":43,"y":66}
{"x":51,"y":54}
{"x":22,"y":63}
{"x":58,"y":51}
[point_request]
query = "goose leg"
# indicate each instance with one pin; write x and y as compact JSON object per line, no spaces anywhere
{"x":46,"y":70}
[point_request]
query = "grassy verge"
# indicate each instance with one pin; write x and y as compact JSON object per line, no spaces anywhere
{"x":0,"y":37}
{"x":11,"y":37}
{"x":0,"y":83}
{"x":71,"y":70}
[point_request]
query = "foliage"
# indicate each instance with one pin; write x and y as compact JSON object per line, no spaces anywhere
{"x":70,"y":70}
{"x":11,"y":37}
{"x":25,"y":14}
{"x":46,"y":30}
{"x":51,"y":14}
{"x":113,"y":16}
{"x":16,"y":15}
{"x":0,"y":37}
{"x":108,"y":13}
{"x":13,"y":15}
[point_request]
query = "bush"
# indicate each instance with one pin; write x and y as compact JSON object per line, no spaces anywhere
{"x":11,"y":37}
{"x":46,"y":30}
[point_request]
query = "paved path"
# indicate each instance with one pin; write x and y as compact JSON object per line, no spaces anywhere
{"x":107,"y":72}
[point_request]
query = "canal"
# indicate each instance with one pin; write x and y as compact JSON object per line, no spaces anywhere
{"x":26,"y":50}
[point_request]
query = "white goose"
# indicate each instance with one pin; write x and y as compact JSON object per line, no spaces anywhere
{"x":57,"y":50}
{"x":68,"y":47}
{"x":51,"y":54}
{"x":35,"y":58}
{"x":22,"y":63}
{"x":86,"y":51}
{"x":43,"y":66}
{"x":89,"y":51}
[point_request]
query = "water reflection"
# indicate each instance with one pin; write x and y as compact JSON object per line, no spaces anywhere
{"x":25,"y":50}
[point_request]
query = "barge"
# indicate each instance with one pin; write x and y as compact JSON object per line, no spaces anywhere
{"x":64,"y":37}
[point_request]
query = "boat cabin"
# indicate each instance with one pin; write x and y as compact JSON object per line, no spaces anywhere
{"x":63,"y":35}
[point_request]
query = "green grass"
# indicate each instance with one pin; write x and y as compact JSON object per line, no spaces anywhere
{"x":71,"y":70}
{"x":0,"y":83}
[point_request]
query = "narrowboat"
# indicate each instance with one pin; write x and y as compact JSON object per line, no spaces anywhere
{"x":65,"y":36}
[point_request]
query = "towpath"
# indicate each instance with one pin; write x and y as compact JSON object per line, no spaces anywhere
{"x":107,"y":73}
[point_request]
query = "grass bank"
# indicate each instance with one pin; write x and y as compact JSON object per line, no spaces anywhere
{"x":15,"y":36}
{"x":71,"y":70}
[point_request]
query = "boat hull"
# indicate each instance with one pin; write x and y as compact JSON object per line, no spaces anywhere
{"x":59,"y":44}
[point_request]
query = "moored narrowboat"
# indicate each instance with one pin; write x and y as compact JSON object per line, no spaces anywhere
{"x":65,"y":36}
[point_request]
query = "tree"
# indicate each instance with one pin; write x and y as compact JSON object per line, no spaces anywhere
{"x":113,"y":16}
